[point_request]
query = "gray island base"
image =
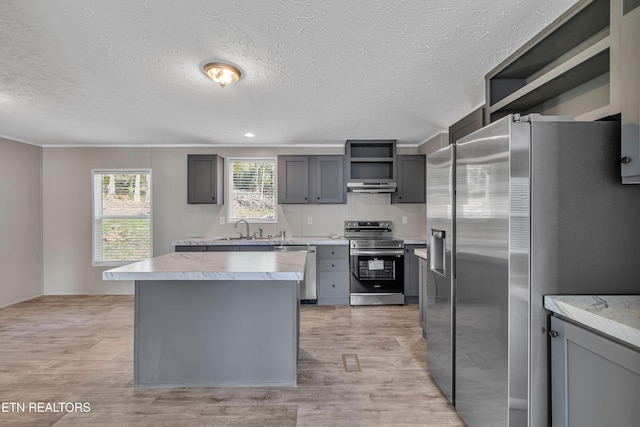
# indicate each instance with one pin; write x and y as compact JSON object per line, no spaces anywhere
{"x":216,"y":319}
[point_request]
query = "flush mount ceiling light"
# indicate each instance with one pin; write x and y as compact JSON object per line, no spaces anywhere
{"x":222,"y":73}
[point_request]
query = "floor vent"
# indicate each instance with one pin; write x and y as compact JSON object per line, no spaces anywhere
{"x":351,"y":363}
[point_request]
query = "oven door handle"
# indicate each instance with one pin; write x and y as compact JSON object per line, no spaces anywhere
{"x":377,"y":252}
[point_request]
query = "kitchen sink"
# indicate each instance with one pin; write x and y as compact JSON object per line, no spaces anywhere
{"x":246,"y":238}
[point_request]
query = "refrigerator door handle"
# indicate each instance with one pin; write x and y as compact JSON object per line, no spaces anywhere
{"x":437,"y":248}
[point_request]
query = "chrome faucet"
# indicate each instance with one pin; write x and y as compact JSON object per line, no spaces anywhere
{"x":245,"y":221}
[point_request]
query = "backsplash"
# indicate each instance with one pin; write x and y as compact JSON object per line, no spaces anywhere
{"x":328,"y":220}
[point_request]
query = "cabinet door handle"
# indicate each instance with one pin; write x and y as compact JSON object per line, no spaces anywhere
{"x":333,"y":253}
{"x":333,"y":286}
{"x":305,"y":198}
{"x":318,"y":198}
{"x":553,"y":334}
{"x":333,"y":265}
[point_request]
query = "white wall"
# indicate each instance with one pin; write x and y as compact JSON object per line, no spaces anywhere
{"x":66,"y":206}
{"x":20,"y":222}
{"x":67,"y":265}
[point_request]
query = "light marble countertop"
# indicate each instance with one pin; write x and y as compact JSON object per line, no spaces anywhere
{"x":219,"y":241}
{"x":313,"y":241}
{"x":614,"y":315}
{"x":412,"y":240}
{"x":422,"y":253}
{"x":214,"y":266}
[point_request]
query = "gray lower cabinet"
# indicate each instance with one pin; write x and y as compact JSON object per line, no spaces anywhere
{"x":411,"y":180}
{"x":595,"y":381}
{"x":239,"y":248}
{"x":422,"y":300}
{"x":311,"y":179}
{"x":411,"y":274}
{"x":190,"y":248}
{"x":224,"y":248}
{"x":333,"y":275}
{"x":256,"y":248}
{"x":205,"y":179}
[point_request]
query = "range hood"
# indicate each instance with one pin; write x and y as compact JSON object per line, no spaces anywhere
{"x":371,"y":187}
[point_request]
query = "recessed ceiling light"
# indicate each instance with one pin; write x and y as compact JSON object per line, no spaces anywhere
{"x":249,"y":135}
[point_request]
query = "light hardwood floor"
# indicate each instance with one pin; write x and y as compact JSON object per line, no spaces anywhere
{"x":80,"y":349}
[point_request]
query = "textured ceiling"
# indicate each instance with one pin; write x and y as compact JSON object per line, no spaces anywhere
{"x":315,"y":72}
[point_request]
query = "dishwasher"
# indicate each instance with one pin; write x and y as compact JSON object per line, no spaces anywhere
{"x":308,"y":293}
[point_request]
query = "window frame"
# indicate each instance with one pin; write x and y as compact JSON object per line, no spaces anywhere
{"x":229,"y":189}
{"x":94,"y":218}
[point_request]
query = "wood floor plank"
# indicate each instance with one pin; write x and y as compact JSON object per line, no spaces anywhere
{"x":80,"y":349}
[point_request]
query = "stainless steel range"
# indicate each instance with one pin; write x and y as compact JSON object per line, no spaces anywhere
{"x":376,"y":261}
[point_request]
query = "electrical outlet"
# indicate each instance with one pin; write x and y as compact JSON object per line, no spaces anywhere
{"x":222,"y":220}
{"x":309,"y":220}
{"x":404,"y":219}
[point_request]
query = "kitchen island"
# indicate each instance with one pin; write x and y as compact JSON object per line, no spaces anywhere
{"x":213,"y":319}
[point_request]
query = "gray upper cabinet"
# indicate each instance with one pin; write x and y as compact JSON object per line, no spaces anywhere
{"x":630,"y":77}
{"x":293,"y":179}
{"x":411,"y":179}
{"x":328,"y":186}
{"x":311,"y":179}
{"x":205,"y":179}
{"x":466,"y":125}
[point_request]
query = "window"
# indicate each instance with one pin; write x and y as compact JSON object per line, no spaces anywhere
{"x":121,"y":216}
{"x":251,"y":189}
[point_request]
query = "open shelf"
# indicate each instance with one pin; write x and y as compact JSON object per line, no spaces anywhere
{"x":372,"y":170}
{"x":559,"y":81}
{"x":371,"y":150}
{"x":564,"y":62}
{"x":371,"y":160}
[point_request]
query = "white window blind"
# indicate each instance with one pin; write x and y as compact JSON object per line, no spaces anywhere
{"x":251,"y":186}
{"x":121,"y":216}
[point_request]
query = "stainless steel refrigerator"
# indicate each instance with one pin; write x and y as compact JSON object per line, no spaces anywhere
{"x":440,"y":310}
{"x":535,"y":206}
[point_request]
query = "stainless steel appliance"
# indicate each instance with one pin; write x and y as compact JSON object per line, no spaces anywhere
{"x":440,"y":309}
{"x":308,"y":292}
{"x":371,"y":187}
{"x":376,"y":263}
{"x":538,"y":209}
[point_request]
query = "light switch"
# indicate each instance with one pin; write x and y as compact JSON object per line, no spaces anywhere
{"x":222,"y":220}
{"x":309,"y":220}
{"x":404,"y":219}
